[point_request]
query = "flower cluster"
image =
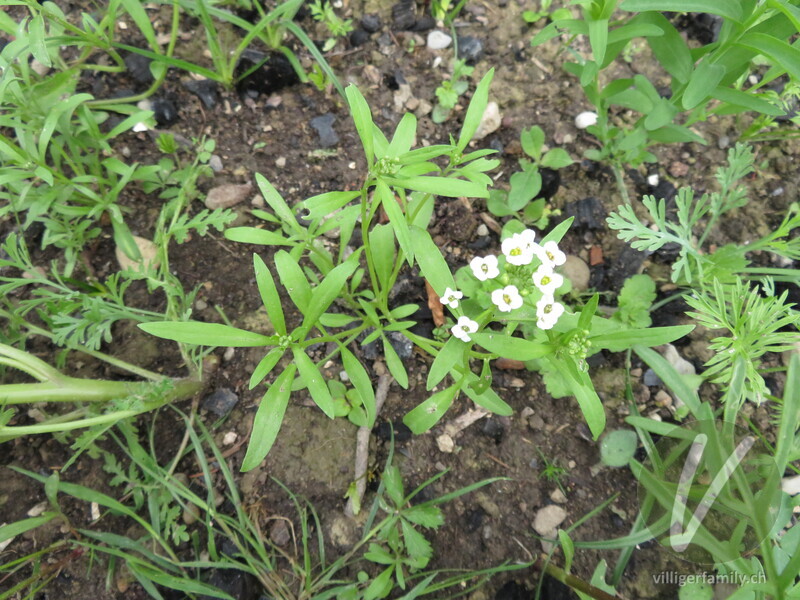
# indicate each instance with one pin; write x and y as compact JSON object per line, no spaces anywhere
{"x":519,"y":250}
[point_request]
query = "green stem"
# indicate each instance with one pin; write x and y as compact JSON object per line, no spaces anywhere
{"x":618,"y":178}
{"x":85,"y":390}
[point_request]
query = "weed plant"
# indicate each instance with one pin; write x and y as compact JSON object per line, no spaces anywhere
{"x":711,"y":79}
{"x":390,"y":556}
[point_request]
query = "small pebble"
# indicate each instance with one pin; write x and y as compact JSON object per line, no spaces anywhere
{"x":280,"y":162}
{"x":558,"y":496}
{"x":650,"y":378}
{"x":229,"y":439}
{"x":438,"y":40}
{"x":228,"y":355}
{"x":148,"y":251}
{"x":490,"y":122}
{"x":470,"y":48}
{"x":482,"y":230}
{"x":791,"y":485}
{"x":445,"y":443}
{"x":652,"y":180}
{"x":324,"y":126}
{"x":577,"y":271}
{"x":220,"y":402}
{"x":279,"y":533}
{"x":680,"y":364}
{"x":371,"y":23}
{"x":225,"y":196}
{"x":663,"y":399}
{"x":215,"y":162}
{"x":548,"y":519}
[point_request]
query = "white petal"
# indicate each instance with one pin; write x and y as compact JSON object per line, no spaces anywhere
{"x":585,"y":119}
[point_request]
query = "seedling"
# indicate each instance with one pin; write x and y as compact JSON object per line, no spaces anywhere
{"x":527,"y":183}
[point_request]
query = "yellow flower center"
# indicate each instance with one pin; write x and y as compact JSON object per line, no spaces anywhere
{"x":546,"y":280}
{"x":515,"y":251}
{"x":548,"y":309}
{"x":506,"y":298}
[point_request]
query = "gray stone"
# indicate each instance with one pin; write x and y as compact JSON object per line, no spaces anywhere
{"x":548,"y":519}
{"x":220,"y":402}
{"x":577,"y":271}
{"x":324,"y":126}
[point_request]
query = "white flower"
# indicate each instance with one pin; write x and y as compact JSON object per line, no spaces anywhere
{"x":507,"y":298}
{"x":529,"y":237}
{"x":463,"y":328}
{"x":519,"y":248}
{"x":550,"y":255}
{"x":585,"y":119}
{"x":546,"y":280}
{"x":484,"y":268}
{"x":451,"y":298}
{"x":548,"y":311}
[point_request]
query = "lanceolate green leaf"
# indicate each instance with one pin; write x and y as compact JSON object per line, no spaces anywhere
{"x":450,"y":354}
{"x":269,"y":295}
{"x":251,"y":235}
{"x":487,"y":399}
{"x":313,"y":380}
{"x":581,"y":387}
{"x":430,"y":261}
{"x":441,"y":186}
{"x":702,"y":83}
{"x":652,"y":336}
{"x":326,"y":292}
{"x":206,"y":334}
{"x":268,"y":419}
{"x":277,"y":203}
{"x":787,"y":56}
{"x":293,"y":279}
{"x":361,"y":381}
{"x":427,"y":414}
{"x":264,"y":366}
{"x":403,"y":136}
{"x":362,"y":119}
{"x":511,"y":347}
{"x":730,"y":9}
{"x":670,"y":49}
{"x":746,"y":100}
{"x":326,"y":204}
{"x":396,"y":217}
{"x":475,"y":111}
{"x":394,"y":363}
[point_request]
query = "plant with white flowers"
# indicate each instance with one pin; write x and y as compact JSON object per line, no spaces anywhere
{"x":519,"y":290}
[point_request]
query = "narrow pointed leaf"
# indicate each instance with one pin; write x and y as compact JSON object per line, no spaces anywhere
{"x":475,"y":111}
{"x":268,"y":419}
{"x":206,"y":334}
{"x":269,"y":295}
{"x":362,"y":119}
{"x":511,"y":347}
{"x":314,"y":381}
{"x":427,"y":414}
{"x":293,"y":279}
{"x":450,"y":354}
{"x":361,"y":382}
{"x":396,"y":217}
{"x":394,"y":364}
{"x":264,"y":366}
